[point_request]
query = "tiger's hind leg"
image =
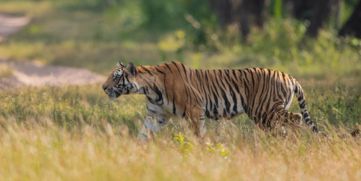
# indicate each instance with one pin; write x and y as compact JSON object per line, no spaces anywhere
{"x":286,"y":119}
{"x":289,"y":118}
{"x":279,"y":119}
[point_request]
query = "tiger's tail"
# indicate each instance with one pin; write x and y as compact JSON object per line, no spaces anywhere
{"x":302,"y":104}
{"x":356,"y":132}
{"x":306,"y":116}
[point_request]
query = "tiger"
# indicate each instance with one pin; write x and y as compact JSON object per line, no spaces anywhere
{"x":173,"y":89}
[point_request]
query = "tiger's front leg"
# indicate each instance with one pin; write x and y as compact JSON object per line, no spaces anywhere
{"x":196,"y":116}
{"x":153,"y":122}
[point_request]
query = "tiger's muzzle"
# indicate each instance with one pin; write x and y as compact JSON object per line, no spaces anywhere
{"x":111,"y":92}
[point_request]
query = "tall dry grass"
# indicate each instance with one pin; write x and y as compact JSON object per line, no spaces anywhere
{"x":44,"y":151}
{"x":75,"y":133}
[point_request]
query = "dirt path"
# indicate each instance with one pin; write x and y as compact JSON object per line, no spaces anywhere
{"x":11,"y":24}
{"x":32,"y":74}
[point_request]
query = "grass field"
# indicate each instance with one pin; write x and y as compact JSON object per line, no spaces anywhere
{"x":77,"y":133}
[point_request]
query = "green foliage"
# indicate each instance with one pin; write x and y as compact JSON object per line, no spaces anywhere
{"x":277,"y":8}
{"x":94,"y":5}
{"x":96,"y":39}
{"x":171,"y":14}
{"x":340,"y":105}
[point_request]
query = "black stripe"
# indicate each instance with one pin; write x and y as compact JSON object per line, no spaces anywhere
{"x":167,"y":65}
{"x":159,"y":100}
{"x":234,"y":98}
{"x":148,"y":71}
{"x":302,"y":105}
{"x":296,"y":89}
{"x":224,"y":95}
{"x":160,"y":71}
{"x":300,"y":98}
{"x":262,"y":96}
{"x":305,"y":115}
{"x":184,"y":68}
{"x":174,"y":108}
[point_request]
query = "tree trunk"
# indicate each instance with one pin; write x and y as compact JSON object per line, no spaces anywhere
{"x":302,"y":9}
{"x":250,"y":12}
{"x":321,"y":11}
{"x":223,"y":9}
{"x":244,"y":12}
{"x":353,"y":24}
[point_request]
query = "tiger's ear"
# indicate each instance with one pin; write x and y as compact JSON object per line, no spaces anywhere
{"x":132,"y":69}
{"x":120,"y":64}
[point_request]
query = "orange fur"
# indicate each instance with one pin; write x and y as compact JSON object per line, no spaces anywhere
{"x":263,"y":94}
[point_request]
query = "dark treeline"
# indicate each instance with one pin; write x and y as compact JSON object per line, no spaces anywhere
{"x":353,"y":24}
{"x":247,"y":13}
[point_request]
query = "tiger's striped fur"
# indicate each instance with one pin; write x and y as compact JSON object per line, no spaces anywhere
{"x":174,"y":89}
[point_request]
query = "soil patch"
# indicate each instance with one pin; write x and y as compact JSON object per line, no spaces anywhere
{"x":32,"y":74}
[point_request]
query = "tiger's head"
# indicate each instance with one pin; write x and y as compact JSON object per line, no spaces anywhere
{"x":121,"y":81}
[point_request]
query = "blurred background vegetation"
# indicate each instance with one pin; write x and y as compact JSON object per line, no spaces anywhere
{"x":315,"y":41}
{"x":97,"y":33}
